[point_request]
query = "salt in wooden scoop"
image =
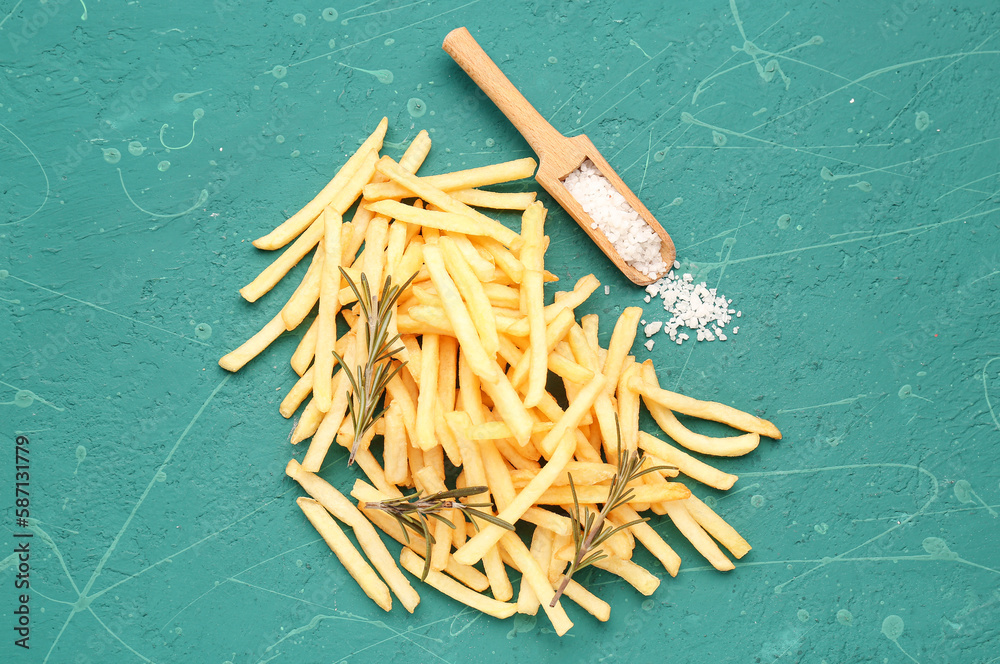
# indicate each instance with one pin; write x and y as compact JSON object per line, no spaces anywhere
{"x":558,"y":156}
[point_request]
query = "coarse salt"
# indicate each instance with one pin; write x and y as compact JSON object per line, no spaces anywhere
{"x":693,"y":306}
{"x":629,"y":234}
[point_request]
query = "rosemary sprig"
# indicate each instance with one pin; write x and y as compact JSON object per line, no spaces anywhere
{"x":589,"y":531}
{"x":412,"y":512}
{"x":369,"y":382}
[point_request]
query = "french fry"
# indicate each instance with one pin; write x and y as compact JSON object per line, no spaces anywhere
{"x":475,"y":475}
{"x":716,"y":526}
{"x":583,"y":473}
{"x":541,"y":551}
{"x":304,"y":352}
{"x":571,"y":418}
{"x":394,"y":447}
{"x":479,"y":305}
{"x":473,"y":550}
{"x":696,"y":442}
{"x":532,"y":223}
{"x":564,"y":301}
{"x":480,"y":264}
{"x":325,"y":432}
{"x":678,"y":512}
{"x":538,"y":580}
{"x":364,"y":493}
{"x":598,"y":493}
{"x":458,"y":315}
{"x":506,"y":261}
{"x":442,"y":221}
{"x":345,"y":551}
{"x":306,"y":294}
{"x":414,"y":564}
{"x":284,"y":233}
{"x":254,"y":346}
{"x":441,"y":547}
{"x":519,"y":200}
{"x":650,"y":539}
{"x":339,"y":506}
{"x":687,"y":464}
{"x":329,"y":306}
{"x":296,"y":395}
{"x":308,"y":422}
{"x":637,"y":576}
{"x":425,"y":438}
{"x":628,"y":406}
{"x":706,"y":410}
{"x":473,"y":177}
{"x":445,"y":202}
{"x":621,"y":342}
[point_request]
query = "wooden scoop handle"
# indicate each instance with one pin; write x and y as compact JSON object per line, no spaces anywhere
{"x":464,"y":49}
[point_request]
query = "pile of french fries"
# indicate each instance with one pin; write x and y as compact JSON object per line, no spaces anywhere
{"x":479,"y":345}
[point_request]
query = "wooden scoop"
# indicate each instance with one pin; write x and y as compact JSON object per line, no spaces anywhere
{"x":558,"y":156}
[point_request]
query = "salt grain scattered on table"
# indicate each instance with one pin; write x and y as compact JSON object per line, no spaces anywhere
{"x":628,"y":233}
{"x":693,"y":306}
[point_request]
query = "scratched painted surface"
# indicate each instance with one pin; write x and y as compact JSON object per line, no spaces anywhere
{"x":832,"y":168}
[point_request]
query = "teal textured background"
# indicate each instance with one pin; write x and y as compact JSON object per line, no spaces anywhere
{"x":165,"y":529}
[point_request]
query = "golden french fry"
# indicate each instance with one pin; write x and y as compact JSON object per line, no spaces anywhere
{"x":254,"y":346}
{"x":394,"y":447}
{"x":458,"y":314}
{"x":445,"y":202}
{"x":696,"y":442}
{"x":304,"y":352}
{"x":325,"y":432}
{"x":502,"y":257}
{"x":621,"y":343}
{"x":273,"y":273}
{"x":568,"y":300}
{"x":296,"y":395}
{"x":538,"y":580}
{"x":339,"y":506}
{"x":583,"y":473}
{"x":425,"y":437}
{"x":473,"y":550}
{"x":473,"y":177}
{"x":685,"y":463}
{"x":717,"y":527}
{"x":650,"y":539}
{"x":306,"y":294}
{"x":365,"y":494}
{"x":541,"y":551}
{"x":532,"y":290}
{"x":307,"y":424}
{"x":416,"y":152}
{"x":284,"y":233}
{"x":706,"y":410}
{"x":441,"y":221}
{"x":518,"y":200}
{"x":554,"y":333}
{"x":638,"y":577}
{"x":628,"y":406}
{"x":475,"y":475}
{"x":414,"y":564}
{"x":329,"y":306}
{"x":495,"y":430}
{"x":441,"y":547}
{"x":678,"y":512}
{"x":345,"y":551}
{"x":479,"y":306}
{"x":570,"y":420}
{"x":598,"y":493}
{"x":482,"y":265}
